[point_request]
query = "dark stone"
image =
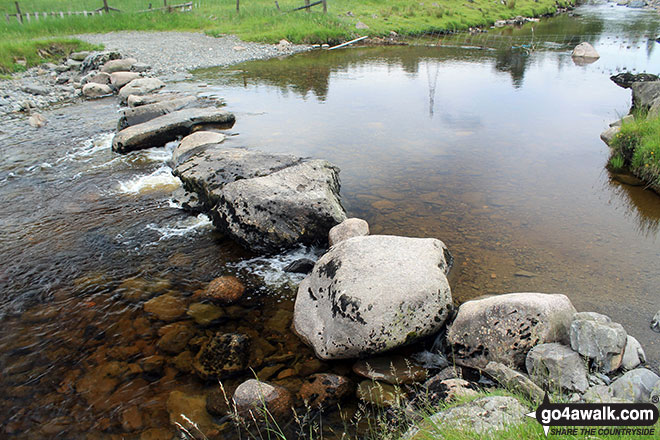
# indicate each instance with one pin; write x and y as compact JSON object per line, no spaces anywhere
{"x":626,"y":79}
{"x":324,"y":390}
{"x":223,"y":355}
{"x":304,"y":265}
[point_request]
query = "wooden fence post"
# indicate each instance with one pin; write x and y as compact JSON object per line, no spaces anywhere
{"x":238,"y":6}
{"x":105,"y":6}
{"x":18,"y":12}
{"x":308,"y":8}
{"x":325,"y":6}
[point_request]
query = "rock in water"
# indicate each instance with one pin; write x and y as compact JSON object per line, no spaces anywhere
{"x":371,"y":294}
{"x":608,"y":135}
{"x":140,"y":86}
{"x":192,"y":141}
{"x":262,"y":400}
{"x":138,"y":115}
{"x":585,"y":50}
{"x":223,"y":355}
{"x":160,"y":130}
{"x":351,"y":227}
{"x":324,"y":390}
{"x":264,"y":201}
{"x":626,"y":79}
{"x":303,"y":265}
{"x":504,"y":328}
{"x":37,"y":120}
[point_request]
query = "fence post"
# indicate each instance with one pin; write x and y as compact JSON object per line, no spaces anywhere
{"x":18,"y":12}
{"x":105,"y":6}
{"x":238,"y":6}
{"x":308,"y":8}
{"x":325,"y":6}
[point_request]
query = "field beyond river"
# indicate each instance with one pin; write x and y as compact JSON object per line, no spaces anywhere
{"x":258,"y":20}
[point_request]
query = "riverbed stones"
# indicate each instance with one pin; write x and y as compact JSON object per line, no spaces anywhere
{"x":585,"y":50}
{"x":378,"y":394}
{"x":163,"y":129}
{"x":504,"y":328}
{"x":140,"y":86}
{"x":324,"y":390}
{"x":193,"y":141}
{"x":396,"y":370}
{"x":166,"y":307}
{"x":556,"y":367}
{"x":138,"y":100}
{"x":603,"y":342}
{"x":98,"y":78}
{"x":205,"y":314}
{"x":253,"y":398}
{"x":138,"y":115}
{"x":175,"y":337}
{"x":480,"y":416}
{"x":223,"y":355}
{"x":351,"y":227}
{"x":644,"y":93}
{"x":94,"y":90}
{"x":79,"y":56}
{"x":182,"y":406}
{"x":514,"y":381}
{"x":120,"y":79}
{"x":226,"y":289}
{"x":370,"y":294}
{"x":120,"y":65}
{"x":635,"y":385}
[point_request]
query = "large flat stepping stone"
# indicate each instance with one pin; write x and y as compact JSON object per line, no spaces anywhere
{"x":138,"y":115}
{"x":158,"y":131}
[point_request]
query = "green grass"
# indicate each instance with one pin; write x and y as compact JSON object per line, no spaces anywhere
{"x":638,"y":145}
{"x":259,"y":20}
{"x":17,"y":55}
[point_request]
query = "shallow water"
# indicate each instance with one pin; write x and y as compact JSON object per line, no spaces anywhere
{"x":495,"y":152}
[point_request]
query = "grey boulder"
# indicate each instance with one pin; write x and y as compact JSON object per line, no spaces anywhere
{"x":120,"y":79}
{"x":140,"y":86}
{"x":163,"y":129}
{"x":609,"y":134}
{"x":504,"y":328}
{"x":514,"y":381}
{"x":370,"y":294}
{"x":603,"y":342}
{"x":96,"y":59}
{"x":480,"y":416}
{"x":644,"y":93}
{"x":121,"y":65}
{"x":633,"y":355}
{"x":556,"y":367}
{"x":94,"y":90}
{"x":138,"y":115}
{"x":192,"y":141}
{"x":585,"y":50}
{"x":635,"y":385}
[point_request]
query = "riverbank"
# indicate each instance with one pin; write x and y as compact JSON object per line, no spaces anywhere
{"x":261,"y":21}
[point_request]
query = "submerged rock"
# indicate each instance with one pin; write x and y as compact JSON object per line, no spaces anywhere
{"x":160,"y":130}
{"x":504,"y":328}
{"x":255,"y":398}
{"x":378,"y":393}
{"x":166,"y":307}
{"x":396,"y":370}
{"x":184,"y":407}
{"x":225,"y":289}
{"x":370,"y":294}
{"x":223,"y":355}
{"x":324,"y":390}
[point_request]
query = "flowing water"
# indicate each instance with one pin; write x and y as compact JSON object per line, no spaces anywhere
{"x":494,"y":151}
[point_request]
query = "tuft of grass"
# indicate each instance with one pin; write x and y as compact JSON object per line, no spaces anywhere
{"x":638,"y":145}
{"x":616,"y":162}
{"x":18,"y":55}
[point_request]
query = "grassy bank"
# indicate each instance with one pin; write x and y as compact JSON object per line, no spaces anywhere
{"x":637,"y":148}
{"x":260,"y":20}
{"x":20,"y":54}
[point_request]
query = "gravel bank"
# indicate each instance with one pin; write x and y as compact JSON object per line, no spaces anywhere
{"x":172,"y":53}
